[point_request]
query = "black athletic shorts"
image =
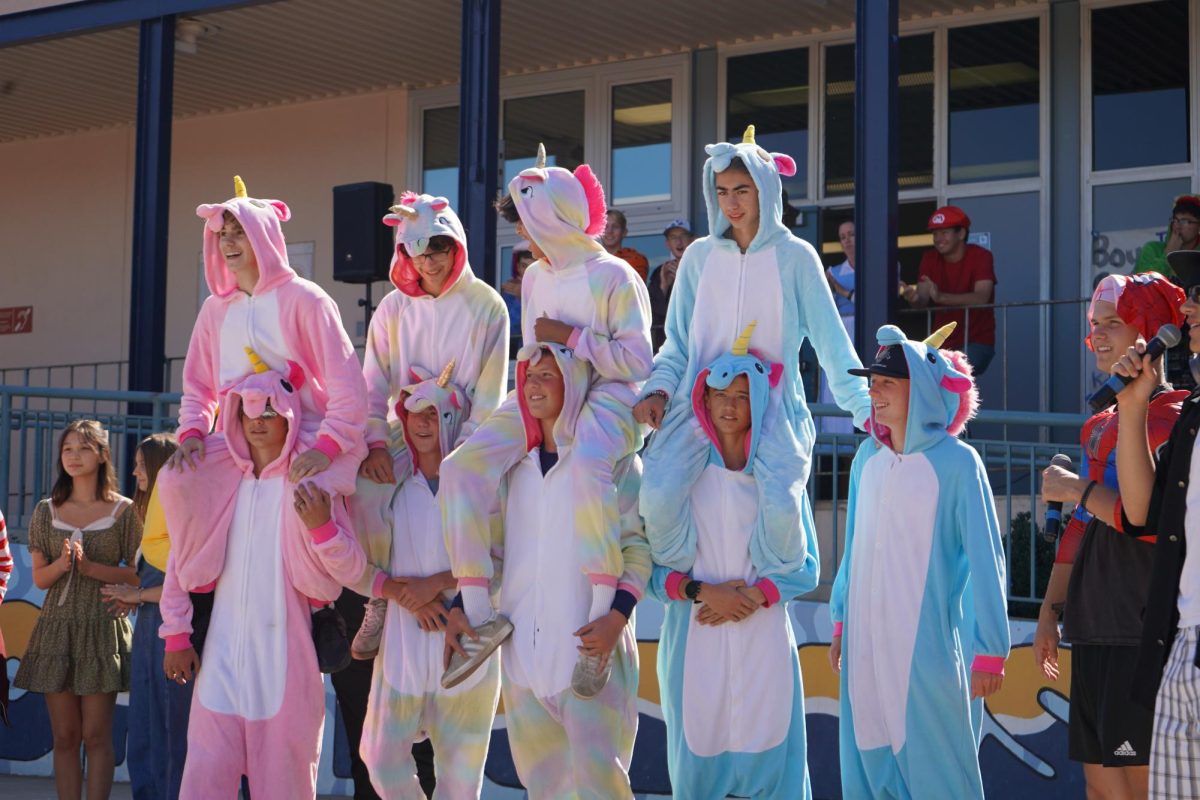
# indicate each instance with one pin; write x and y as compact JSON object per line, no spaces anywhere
{"x":1107,"y":727}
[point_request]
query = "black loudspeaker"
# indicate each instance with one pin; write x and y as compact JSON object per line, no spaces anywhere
{"x":362,"y":244}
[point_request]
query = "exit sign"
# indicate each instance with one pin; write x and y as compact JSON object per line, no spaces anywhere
{"x":18,"y":319}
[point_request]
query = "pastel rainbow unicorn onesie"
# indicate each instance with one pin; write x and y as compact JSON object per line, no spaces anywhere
{"x":286,"y":320}
{"x":259,"y":704}
{"x":413,"y":331}
{"x":407,"y":701}
{"x":563,"y":746}
{"x":779,"y":284}
{"x":919,"y":599}
{"x":732,"y":694}
{"x":608,"y":306}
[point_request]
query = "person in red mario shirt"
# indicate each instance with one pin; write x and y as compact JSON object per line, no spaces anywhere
{"x":955,"y":273}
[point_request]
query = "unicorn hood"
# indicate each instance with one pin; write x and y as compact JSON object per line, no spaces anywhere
{"x":562,"y":211}
{"x":719,"y":375}
{"x":429,"y":391}
{"x":260,"y":219}
{"x":418,"y":218}
{"x":577,"y":379}
{"x":252,"y":394}
{"x":765,"y":169}
{"x":942,"y":395}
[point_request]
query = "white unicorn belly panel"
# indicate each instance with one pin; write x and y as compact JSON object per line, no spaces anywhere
{"x":893,"y":537}
{"x":564,"y":295}
{"x":245,"y":659}
{"x":734,"y":291}
{"x":544,"y":591}
{"x":432,"y":333}
{"x":737,"y":677}
{"x":412,"y":658}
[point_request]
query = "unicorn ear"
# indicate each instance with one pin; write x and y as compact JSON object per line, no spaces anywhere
{"x":440,"y":204}
{"x":775,"y":375}
{"x":281,"y":210}
{"x":295,"y":375}
{"x":785,"y":164}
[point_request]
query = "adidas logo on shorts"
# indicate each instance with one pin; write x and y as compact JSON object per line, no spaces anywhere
{"x":1125,"y":749}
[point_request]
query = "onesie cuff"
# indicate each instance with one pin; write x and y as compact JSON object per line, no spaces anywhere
{"x":770,"y":590}
{"x":376,"y":446}
{"x":573,"y":339}
{"x":837,"y":629}
{"x":633,"y":590}
{"x":675,"y":584}
{"x":377,"y":584}
{"x":473,"y":582}
{"x":323,"y":533}
{"x":624,"y":602}
{"x":177,"y":642}
{"x":190,"y":433}
{"x":328,"y":446}
{"x":992,"y":664}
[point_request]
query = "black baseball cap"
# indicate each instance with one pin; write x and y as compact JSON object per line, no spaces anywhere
{"x":889,"y":361}
{"x":1186,"y":266}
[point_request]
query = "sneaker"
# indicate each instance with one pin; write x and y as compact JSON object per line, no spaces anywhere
{"x":588,"y":679}
{"x":366,"y":641}
{"x":491,"y":634}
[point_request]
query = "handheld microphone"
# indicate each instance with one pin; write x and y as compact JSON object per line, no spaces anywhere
{"x":1167,"y":337}
{"x":1054,"y":510}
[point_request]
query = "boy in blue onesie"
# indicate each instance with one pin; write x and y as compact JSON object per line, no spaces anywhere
{"x":921,"y":590}
{"x":751,"y":269}
{"x":732,"y":695}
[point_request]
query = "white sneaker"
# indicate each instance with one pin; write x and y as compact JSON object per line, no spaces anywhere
{"x":588,"y":680}
{"x":366,"y":641}
{"x":491,"y":634}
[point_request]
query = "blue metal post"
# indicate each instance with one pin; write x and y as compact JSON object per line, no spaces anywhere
{"x":479,"y":131}
{"x":876,"y":154}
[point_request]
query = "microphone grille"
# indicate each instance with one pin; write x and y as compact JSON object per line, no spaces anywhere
{"x":1061,"y":460}
{"x":1169,"y":334}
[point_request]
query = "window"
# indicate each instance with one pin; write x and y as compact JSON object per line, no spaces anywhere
{"x":994,"y":93}
{"x":439,"y":156}
{"x":1140,"y":85}
{"x":555,"y":120}
{"x":770,"y":91}
{"x":915,"y":109}
{"x":641,"y":143}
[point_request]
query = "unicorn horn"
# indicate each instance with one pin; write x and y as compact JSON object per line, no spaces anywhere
{"x":239,"y":186}
{"x":939,"y":337}
{"x":444,"y":378}
{"x":742,"y":345}
{"x":541,"y":157}
{"x":408,"y":212}
{"x":748,"y":136}
{"x":256,"y":360}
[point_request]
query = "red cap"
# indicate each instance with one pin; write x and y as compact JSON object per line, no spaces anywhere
{"x":948,"y":217}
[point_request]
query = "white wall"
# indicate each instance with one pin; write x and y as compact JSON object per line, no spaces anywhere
{"x":66,"y":214}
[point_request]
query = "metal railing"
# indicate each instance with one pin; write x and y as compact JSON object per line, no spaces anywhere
{"x":94,"y":375}
{"x":31,"y":419}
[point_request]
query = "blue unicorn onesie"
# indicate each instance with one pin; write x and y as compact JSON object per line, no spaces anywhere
{"x":778,"y":283}
{"x":920,"y":592}
{"x":732,"y":695}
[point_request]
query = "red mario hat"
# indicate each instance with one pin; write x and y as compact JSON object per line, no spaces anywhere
{"x":948,"y":217}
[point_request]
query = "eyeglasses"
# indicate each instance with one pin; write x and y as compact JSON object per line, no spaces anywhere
{"x":429,"y":254}
{"x":1193,"y":295}
{"x":1185,"y":221}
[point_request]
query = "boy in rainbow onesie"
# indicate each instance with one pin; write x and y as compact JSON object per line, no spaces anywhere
{"x":577,"y":296}
{"x":273,"y":550}
{"x":732,"y":694}
{"x":438,"y":313}
{"x":568,"y":739}
{"x":918,"y":605}
{"x":406,"y":698}
{"x":750,"y":269}
{"x":259,"y":302}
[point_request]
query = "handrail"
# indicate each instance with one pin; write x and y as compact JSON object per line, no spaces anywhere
{"x":1047,"y":419}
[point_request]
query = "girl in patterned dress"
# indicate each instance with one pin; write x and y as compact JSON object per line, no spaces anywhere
{"x":83,"y":536}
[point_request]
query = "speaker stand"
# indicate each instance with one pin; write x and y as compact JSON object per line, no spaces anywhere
{"x":368,"y":309}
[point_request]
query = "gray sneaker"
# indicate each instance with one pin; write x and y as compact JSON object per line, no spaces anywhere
{"x":366,"y":641}
{"x":491,"y":634}
{"x":588,"y":679}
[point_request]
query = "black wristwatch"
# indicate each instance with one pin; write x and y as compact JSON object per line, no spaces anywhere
{"x":692,"y":590}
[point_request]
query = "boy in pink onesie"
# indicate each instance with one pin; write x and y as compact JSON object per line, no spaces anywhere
{"x":273,"y":552}
{"x":258,"y":301}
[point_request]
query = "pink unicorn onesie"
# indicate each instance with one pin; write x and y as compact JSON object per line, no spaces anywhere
{"x":285,"y":319}
{"x":437,"y":314}
{"x":578,"y":296}
{"x":266,"y":570}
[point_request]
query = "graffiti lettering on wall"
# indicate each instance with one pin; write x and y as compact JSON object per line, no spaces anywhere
{"x":1117,"y":251}
{"x":1024,"y":749}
